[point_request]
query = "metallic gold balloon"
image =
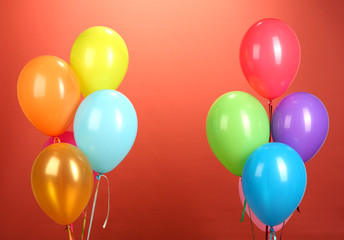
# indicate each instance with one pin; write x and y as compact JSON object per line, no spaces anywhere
{"x":62,"y":182}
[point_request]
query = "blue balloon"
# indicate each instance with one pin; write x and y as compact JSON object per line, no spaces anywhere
{"x":274,"y":181}
{"x":105,"y":128}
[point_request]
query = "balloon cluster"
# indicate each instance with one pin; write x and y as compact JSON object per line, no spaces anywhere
{"x":238,"y":129}
{"x":105,"y":123}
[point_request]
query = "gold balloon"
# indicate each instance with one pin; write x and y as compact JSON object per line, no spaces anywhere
{"x":62,"y":182}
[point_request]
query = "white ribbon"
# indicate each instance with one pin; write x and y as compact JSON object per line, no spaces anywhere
{"x":94,"y":205}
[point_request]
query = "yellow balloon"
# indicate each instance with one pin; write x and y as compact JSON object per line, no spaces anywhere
{"x":100,"y":59}
{"x":62,"y":182}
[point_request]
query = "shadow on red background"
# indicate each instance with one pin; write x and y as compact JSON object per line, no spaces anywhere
{"x":183,"y":55}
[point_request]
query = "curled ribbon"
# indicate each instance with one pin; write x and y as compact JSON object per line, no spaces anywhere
{"x":94,"y":204}
{"x":108,"y":211}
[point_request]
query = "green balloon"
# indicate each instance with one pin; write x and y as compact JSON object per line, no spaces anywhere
{"x":237,"y":124}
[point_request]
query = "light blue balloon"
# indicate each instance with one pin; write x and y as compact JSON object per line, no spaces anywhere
{"x":105,"y":128}
{"x":274,"y":181}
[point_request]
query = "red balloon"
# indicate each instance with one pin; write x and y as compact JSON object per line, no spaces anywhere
{"x":270,"y":57}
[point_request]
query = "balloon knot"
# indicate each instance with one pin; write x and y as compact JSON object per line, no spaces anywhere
{"x":98,"y":176}
{"x":67,"y":228}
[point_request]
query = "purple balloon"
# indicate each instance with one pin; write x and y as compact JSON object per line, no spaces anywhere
{"x":301,"y":121}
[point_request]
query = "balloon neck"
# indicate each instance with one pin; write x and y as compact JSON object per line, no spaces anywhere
{"x":57,"y":140}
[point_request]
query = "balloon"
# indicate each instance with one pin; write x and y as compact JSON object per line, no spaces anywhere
{"x":270,"y":57}
{"x":301,"y":121}
{"x":62,"y":182}
{"x":48,"y":93}
{"x":274,"y":182}
{"x":66,"y":137}
{"x":236,"y":125}
{"x":105,"y":128}
{"x":100,"y":58}
{"x":254,"y":219}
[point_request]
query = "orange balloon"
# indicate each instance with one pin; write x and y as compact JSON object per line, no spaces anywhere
{"x":62,"y":182}
{"x":49,"y":92}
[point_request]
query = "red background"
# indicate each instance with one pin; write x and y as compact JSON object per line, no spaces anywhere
{"x":183,"y":55}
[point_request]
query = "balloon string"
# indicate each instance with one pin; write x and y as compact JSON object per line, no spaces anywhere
{"x":108,"y":211}
{"x":270,"y":140}
{"x":272,"y":233}
{"x":249,"y":210}
{"x":243,"y":212}
{"x":270,"y":117}
{"x":70,"y":234}
{"x":93,"y":207}
{"x":83,"y":225}
{"x":282,"y":230}
{"x":94,"y":204}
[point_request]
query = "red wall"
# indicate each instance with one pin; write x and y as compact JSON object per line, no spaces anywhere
{"x":183,"y":55}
